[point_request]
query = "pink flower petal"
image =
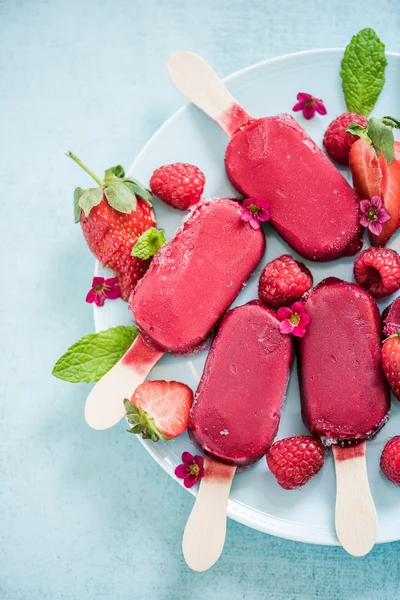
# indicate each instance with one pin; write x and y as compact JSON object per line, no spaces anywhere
{"x":383,"y":215}
{"x":254,"y":222}
{"x":198,"y":460}
{"x":264,"y":215}
{"x":261,"y":203}
{"x":246,"y":216}
{"x":298,"y":106}
{"x":297,"y":307}
{"x":305,"y":319}
{"x":364,"y":221}
{"x":284,"y":313}
{"x":303,"y":96}
{"x":181,"y":471}
{"x":111,"y":281}
{"x":308,"y":112}
{"x":90,"y":297}
{"x":375,"y":228}
{"x":247,"y":202}
{"x":364,"y":205}
{"x":299,"y":331}
{"x":187,"y":458}
{"x":320,"y":107}
{"x":376,"y":202}
{"x":189,"y":481}
{"x":286,"y":327}
{"x":99,"y":299}
{"x":201,"y":474}
{"x":114,"y":293}
{"x":97,"y":281}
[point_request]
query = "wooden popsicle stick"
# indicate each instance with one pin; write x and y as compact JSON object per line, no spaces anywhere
{"x":104,"y":406}
{"x":200,"y":84}
{"x":356,"y":520}
{"x":204,"y":535}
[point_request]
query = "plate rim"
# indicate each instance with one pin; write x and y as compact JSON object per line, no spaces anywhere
{"x":251,"y":517}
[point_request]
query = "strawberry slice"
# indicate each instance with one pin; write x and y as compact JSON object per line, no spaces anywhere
{"x":159,"y":409}
{"x":365,"y":169}
{"x":372,"y":176}
{"x":390,"y":196}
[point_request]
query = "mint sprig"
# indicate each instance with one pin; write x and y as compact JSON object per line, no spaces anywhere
{"x":363,"y":71}
{"x":148,"y":243}
{"x":120,"y":192}
{"x":379,"y":133}
{"x":93,"y":355}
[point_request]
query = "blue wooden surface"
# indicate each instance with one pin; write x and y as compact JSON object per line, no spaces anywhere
{"x":88,"y":515}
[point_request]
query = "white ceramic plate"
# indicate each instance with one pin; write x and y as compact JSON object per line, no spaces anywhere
{"x":265,"y":89}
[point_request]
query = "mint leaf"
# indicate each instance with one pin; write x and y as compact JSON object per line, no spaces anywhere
{"x":90,"y":198}
{"x":117,"y":171}
{"x":382,"y":138}
{"x":391,"y":121}
{"x":77,"y":209}
{"x":120,"y":197}
{"x":363,"y":71}
{"x":148,"y":243}
{"x":93,"y":355}
{"x":138,"y":189}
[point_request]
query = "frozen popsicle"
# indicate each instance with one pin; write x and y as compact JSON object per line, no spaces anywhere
{"x":235,"y":416}
{"x":312,"y":206}
{"x":344,"y":397}
{"x":191,"y":282}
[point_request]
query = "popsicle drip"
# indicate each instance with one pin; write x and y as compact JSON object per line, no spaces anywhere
{"x":234,"y":118}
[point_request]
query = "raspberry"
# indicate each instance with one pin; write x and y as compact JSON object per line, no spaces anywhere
{"x":180,"y":185}
{"x":377,"y":270}
{"x":336,"y":141}
{"x":390,"y":460}
{"x":294,"y":460}
{"x":283,"y":281}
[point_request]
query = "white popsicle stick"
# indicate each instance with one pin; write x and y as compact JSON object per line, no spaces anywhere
{"x":200,"y":84}
{"x":104,"y":406}
{"x":355,"y":514}
{"x":204,"y":535}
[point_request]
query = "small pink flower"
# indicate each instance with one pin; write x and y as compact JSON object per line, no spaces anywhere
{"x":255,"y":211}
{"x":102,"y":289}
{"x":293,"y":320}
{"x":309,"y":105}
{"x":373,"y":215}
{"x":191,"y":469}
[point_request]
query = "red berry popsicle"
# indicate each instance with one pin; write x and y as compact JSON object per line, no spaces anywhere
{"x":191,"y":282}
{"x":344,"y":397}
{"x":234,"y":417}
{"x":312,"y":206}
{"x":238,"y":403}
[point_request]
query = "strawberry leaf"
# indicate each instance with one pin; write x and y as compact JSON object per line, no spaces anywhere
{"x":148,"y":243}
{"x":77,"y":209}
{"x":138,"y":189}
{"x":382,"y":138}
{"x":116,"y":171}
{"x":120,"y":197}
{"x":90,"y":198}
{"x":93,"y":355}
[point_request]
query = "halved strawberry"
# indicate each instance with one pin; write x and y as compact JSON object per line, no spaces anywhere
{"x":390,"y":196}
{"x":372,"y":176}
{"x":365,"y":169}
{"x":159,"y":409}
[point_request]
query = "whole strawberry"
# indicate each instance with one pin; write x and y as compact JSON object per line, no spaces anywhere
{"x":283,"y":281}
{"x":159,"y":410}
{"x":336,"y":141}
{"x":391,"y":362}
{"x":180,"y":185}
{"x":294,"y":460}
{"x":377,"y":270}
{"x":113,"y":216}
{"x":390,"y":460}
